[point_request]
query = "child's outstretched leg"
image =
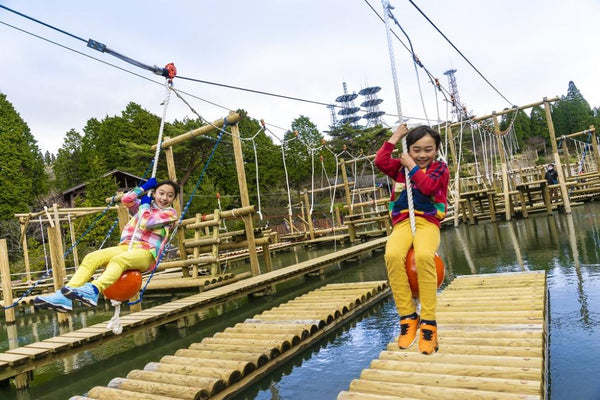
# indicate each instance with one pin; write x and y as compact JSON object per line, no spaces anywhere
{"x":138,"y":259}
{"x":79,"y":288}
{"x":426,"y":244}
{"x":396,"y":249}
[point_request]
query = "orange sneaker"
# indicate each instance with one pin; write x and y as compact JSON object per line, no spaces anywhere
{"x":408,"y":330}
{"x":428,"y":343}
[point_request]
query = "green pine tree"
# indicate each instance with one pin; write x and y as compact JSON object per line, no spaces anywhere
{"x":22,"y":174}
{"x":571,"y":113}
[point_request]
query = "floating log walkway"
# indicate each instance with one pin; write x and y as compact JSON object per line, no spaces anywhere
{"x":493,"y":345}
{"x":21,"y":361}
{"x":221,"y":366}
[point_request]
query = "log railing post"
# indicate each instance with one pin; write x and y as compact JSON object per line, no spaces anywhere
{"x":241,"y":174}
{"x":7,"y":297}
{"x":561,"y":176}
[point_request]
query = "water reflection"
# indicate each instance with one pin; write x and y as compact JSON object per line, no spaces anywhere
{"x":466,"y":251}
{"x":582,"y":297}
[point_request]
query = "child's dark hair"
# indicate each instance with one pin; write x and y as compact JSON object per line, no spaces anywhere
{"x":420,"y":131}
{"x":173,"y":184}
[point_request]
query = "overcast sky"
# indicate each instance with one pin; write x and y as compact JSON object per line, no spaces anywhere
{"x":527,"y":50}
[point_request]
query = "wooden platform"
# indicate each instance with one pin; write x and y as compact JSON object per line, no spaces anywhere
{"x":18,"y":361}
{"x":493,"y":345}
{"x":221,"y":366}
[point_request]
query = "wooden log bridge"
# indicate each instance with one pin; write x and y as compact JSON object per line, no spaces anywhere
{"x":493,"y":345}
{"x":22,"y":361}
{"x":221,"y":366}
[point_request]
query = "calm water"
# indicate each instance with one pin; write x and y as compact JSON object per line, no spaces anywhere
{"x":567,"y":247}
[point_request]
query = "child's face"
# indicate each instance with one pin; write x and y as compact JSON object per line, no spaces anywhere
{"x":423,"y":151}
{"x":164,"y":196}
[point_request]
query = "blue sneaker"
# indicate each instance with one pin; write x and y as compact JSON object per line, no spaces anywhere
{"x":55,"y":301}
{"x":87,"y":294}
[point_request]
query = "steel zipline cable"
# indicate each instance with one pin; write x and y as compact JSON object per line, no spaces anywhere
{"x":101,"y":47}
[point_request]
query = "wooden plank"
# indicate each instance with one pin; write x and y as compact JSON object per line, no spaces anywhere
{"x":434,"y":367}
{"x":54,"y":347}
{"x":29,"y":351}
{"x":14,"y":359}
{"x":481,"y":350}
{"x":89,"y":336}
{"x":96,"y":330}
{"x":67,"y":340}
{"x":501,"y":385}
{"x":464,"y":359}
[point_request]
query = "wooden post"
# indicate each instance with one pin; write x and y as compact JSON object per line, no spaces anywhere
{"x":25,"y":251}
{"x":505,"y":185}
{"x":267,"y":259}
{"x":595,"y":147}
{"x":291,"y":221}
{"x":56,"y":258}
{"x":177,"y":205}
{"x":565,"y":150}
{"x":196,"y":251}
{"x":346,"y":186}
{"x":73,"y":239}
{"x":214,"y":269}
{"x":309,"y":216}
{"x":351,"y":231}
{"x":456,"y":173}
{"x":303,"y":217}
{"x":6,"y":283}
{"x":241,"y":174}
{"x":338,"y":217}
{"x":561,"y":177}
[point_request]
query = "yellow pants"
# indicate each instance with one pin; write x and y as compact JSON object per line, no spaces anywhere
{"x":425,"y":243}
{"x":116,"y":259}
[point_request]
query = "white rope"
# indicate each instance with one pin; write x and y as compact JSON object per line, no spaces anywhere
{"x":355,"y":178}
{"x":443,"y":154}
{"x":156,"y":153}
{"x":484,"y":151}
{"x":162,"y":127}
{"x":335,"y":183}
{"x":478,"y":173}
{"x":287,"y":184}
{"x":115,"y":323}
{"x":220,"y":211}
{"x":411,"y":208}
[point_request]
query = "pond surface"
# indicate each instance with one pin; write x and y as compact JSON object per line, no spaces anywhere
{"x":566,"y":246}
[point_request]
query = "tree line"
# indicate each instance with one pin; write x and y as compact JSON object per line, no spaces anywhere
{"x":31,"y":179}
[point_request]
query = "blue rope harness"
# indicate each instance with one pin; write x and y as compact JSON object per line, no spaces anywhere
{"x":183,"y":213}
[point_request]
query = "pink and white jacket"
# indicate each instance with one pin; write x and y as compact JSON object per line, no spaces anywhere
{"x":152,"y":230}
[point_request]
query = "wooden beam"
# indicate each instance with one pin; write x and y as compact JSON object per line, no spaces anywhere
{"x":232,"y":119}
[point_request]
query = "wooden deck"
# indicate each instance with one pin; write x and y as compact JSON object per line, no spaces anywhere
{"x":493,"y":345}
{"x":19,"y":361}
{"x":221,"y":366}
